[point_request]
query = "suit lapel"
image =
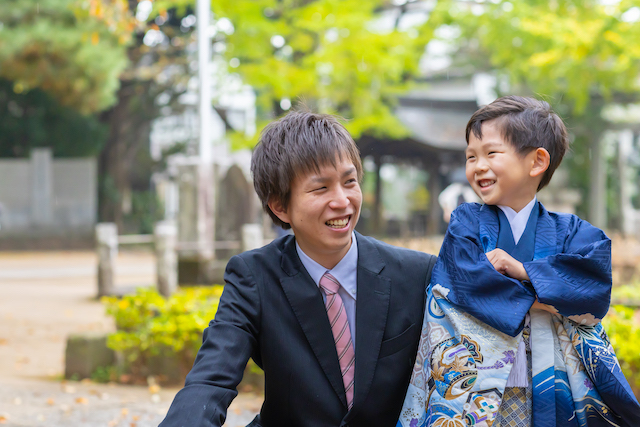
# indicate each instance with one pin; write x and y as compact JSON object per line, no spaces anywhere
{"x":307,"y":304}
{"x":372,"y":304}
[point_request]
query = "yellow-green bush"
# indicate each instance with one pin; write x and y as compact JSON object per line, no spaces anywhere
{"x":150,"y":325}
{"x":623,"y":330}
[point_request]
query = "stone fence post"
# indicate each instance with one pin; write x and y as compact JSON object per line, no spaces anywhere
{"x":107,"y":250}
{"x":252,"y":237}
{"x":166,"y":239}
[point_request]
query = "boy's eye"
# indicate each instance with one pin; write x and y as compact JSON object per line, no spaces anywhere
{"x":470,"y":158}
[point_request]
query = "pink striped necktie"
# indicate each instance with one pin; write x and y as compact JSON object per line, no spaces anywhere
{"x":341,"y":333}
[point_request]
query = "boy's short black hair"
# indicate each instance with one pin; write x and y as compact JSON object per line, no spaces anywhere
{"x":527,"y":124}
{"x":298,"y":143}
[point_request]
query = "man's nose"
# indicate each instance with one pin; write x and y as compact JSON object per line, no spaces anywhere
{"x":339,"y":199}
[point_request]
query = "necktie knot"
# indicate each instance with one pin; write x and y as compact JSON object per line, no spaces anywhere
{"x":329,"y":283}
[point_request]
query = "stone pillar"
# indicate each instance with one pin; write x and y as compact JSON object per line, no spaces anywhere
{"x":166,"y":237}
{"x":252,"y":237}
{"x":598,"y":185}
{"x":434,"y":216}
{"x":196,"y":222}
{"x":41,"y":186}
{"x":627,"y":212}
{"x":107,"y":249}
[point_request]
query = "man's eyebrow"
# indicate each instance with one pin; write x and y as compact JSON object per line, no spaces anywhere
{"x":349,"y":171}
{"x":318,"y":179}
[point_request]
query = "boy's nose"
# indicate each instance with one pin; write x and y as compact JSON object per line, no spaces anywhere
{"x":482,"y":165}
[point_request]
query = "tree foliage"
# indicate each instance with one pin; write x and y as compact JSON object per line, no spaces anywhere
{"x":334,"y":55}
{"x":579,"y":55}
{"x":74,"y":50}
{"x":34,"y":119}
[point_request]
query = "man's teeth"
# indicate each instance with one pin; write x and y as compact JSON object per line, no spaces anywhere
{"x":486,"y":183}
{"x":338,"y":223}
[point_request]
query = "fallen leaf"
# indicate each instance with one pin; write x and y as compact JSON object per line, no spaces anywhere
{"x":154,"y":389}
{"x":51,"y":401}
{"x":82,"y":400}
{"x":124,"y":411}
{"x":3,"y":341}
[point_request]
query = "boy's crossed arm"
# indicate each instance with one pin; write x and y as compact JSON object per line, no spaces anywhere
{"x":511,"y":267}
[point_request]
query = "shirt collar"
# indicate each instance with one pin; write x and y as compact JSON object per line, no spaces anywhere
{"x":518,"y":220}
{"x":344,"y":271}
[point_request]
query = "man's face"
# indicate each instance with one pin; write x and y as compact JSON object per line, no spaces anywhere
{"x":497,"y":173}
{"x":323,"y":211}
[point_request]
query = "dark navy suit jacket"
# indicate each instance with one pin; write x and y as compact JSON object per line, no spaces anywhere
{"x":272,"y":311}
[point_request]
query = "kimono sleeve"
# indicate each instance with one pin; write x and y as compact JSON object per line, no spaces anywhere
{"x":577,"y":280}
{"x":473,"y":284}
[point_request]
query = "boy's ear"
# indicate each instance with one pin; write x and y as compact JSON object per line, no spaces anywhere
{"x":540,"y":161}
{"x":278,"y":210}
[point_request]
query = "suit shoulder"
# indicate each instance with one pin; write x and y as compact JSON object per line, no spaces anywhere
{"x":389,"y":251}
{"x":262,"y":257}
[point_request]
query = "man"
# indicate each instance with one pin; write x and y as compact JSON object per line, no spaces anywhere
{"x":331,"y":316}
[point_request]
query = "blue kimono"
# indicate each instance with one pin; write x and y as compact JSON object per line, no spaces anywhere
{"x":474,"y":319}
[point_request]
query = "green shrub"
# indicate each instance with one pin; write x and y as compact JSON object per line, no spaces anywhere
{"x":621,"y":324}
{"x":150,"y":326}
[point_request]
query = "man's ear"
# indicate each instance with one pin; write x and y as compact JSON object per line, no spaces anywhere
{"x":279,"y":211}
{"x":540,"y":161}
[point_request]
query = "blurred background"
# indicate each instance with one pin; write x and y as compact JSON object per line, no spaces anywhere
{"x":126,"y":130}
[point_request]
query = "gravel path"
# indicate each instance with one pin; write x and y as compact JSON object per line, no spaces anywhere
{"x":44,"y":297}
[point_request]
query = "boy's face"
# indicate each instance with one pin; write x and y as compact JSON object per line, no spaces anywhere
{"x":497,"y":173}
{"x":323,"y":211}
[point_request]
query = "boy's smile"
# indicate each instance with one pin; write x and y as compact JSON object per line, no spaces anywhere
{"x":323,"y":211}
{"x":497,"y":173}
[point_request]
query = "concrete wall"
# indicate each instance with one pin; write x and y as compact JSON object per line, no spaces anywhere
{"x":42,"y":196}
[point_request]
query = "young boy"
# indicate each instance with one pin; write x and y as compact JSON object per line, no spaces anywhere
{"x":331,"y":316}
{"x":512,"y":334}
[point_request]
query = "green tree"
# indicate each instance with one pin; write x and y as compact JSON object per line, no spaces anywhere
{"x":334,"y":55}
{"x":74,"y":50}
{"x":157,"y":75}
{"x":35,"y":119}
{"x":579,"y":55}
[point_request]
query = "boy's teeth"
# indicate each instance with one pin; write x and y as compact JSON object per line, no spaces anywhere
{"x":485,"y":183}
{"x":338,"y":222}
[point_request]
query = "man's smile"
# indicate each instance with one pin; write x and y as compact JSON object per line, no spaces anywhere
{"x":339,"y":223}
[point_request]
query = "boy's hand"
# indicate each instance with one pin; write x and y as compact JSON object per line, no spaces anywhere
{"x":507,"y":265}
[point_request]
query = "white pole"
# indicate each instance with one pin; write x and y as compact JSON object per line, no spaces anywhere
{"x":203,"y":13}
{"x":205,"y":184}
